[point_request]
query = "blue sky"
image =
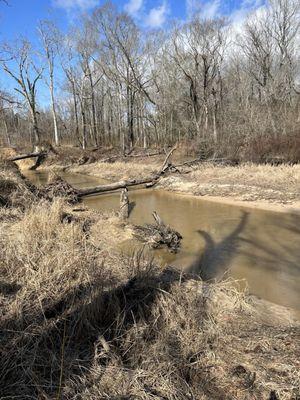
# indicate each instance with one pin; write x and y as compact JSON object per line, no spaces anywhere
{"x":20,"y":17}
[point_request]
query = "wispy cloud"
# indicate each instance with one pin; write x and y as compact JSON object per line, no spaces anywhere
{"x":133,"y":6}
{"x":69,"y":5}
{"x":157,"y":16}
{"x":210,"y":9}
{"x":205,"y":9}
{"x":247,"y":7}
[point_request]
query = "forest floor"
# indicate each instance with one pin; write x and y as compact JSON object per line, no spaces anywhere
{"x":80,"y":320}
{"x":263,"y":186}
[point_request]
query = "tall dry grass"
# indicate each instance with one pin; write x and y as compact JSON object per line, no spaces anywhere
{"x":250,"y":182}
{"x":119,"y":169}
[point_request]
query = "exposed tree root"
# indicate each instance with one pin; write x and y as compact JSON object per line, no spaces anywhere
{"x":158,"y":235}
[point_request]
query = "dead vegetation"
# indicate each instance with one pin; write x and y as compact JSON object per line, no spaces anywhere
{"x":248,"y":182}
{"x":158,"y":235}
{"x":58,"y":187}
{"x":80,"y":321}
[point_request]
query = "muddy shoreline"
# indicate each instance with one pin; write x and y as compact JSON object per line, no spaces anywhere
{"x":246,"y":195}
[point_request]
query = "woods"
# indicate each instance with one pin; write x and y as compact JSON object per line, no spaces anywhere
{"x":220,"y":89}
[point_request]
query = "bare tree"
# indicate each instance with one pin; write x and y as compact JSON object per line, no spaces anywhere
{"x":18,"y":63}
{"x":123,"y":59}
{"x":50,"y":38}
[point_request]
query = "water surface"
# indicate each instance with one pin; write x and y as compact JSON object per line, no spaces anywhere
{"x":260,"y":248}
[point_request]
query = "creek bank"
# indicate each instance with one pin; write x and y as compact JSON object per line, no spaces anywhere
{"x":274,"y":188}
{"x":261,"y":186}
{"x":80,"y":319}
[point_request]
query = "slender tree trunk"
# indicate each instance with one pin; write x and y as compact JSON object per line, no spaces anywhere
{"x":94,"y":124}
{"x":35,"y":128}
{"x":83,"y":120}
{"x":51,"y":88}
{"x":7,"y":134}
{"x":75,"y":110}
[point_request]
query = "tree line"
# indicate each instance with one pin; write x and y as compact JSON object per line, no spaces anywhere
{"x":112,"y":83}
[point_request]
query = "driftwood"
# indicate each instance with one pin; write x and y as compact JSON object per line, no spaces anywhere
{"x":30,"y":155}
{"x":166,"y":164}
{"x":124,"y":205}
{"x":40,"y":159}
{"x":156,"y":153}
{"x":158,"y":235}
{"x":117,"y":185}
{"x":58,"y":187}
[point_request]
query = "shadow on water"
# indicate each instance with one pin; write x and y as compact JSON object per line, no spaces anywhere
{"x":132,"y":204}
{"x":215,"y":261}
{"x":275,"y":251}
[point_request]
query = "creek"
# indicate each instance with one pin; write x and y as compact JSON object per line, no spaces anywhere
{"x":258,"y":248}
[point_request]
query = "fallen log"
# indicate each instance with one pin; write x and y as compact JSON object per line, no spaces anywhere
{"x":156,"y":153}
{"x":158,"y":235}
{"x":40,"y":159}
{"x":117,"y":185}
{"x":150,"y":180}
{"x":30,"y":155}
{"x":166,"y":165}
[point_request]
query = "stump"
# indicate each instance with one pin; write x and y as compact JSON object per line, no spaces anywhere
{"x":124,"y":205}
{"x":158,"y":235}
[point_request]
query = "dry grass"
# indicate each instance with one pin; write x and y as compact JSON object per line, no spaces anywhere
{"x":79,"y":321}
{"x":246,"y":182}
{"x":249,"y":182}
{"x":118,"y":170}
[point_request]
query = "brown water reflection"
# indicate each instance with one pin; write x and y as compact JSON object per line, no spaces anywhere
{"x":259,"y":247}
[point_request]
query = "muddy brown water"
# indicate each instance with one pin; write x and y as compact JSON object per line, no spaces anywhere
{"x":259,"y":248}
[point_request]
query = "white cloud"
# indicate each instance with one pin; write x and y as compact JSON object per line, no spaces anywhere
{"x":133,"y":6}
{"x":247,"y":8}
{"x":206,"y":10}
{"x":75,"y":4}
{"x":210,"y":9}
{"x":157,"y":16}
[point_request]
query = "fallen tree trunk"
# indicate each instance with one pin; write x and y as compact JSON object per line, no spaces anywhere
{"x":30,"y":155}
{"x":150,"y":180}
{"x":118,"y":185}
{"x":40,"y":159}
{"x":156,"y":153}
{"x":166,"y":165}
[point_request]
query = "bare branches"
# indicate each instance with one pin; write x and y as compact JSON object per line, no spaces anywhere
{"x":19,"y":65}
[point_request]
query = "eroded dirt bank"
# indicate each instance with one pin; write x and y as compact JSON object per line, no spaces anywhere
{"x":262,"y":186}
{"x":79,"y":320}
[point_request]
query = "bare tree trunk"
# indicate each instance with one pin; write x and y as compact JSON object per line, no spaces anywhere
{"x":51,"y":88}
{"x":75,"y":111}
{"x":7,"y":133}
{"x":83,"y":120}
{"x":35,"y":128}
{"x":94,"y":124}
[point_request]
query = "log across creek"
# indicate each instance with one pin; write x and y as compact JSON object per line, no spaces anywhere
{"x":150,"y":180}
{"x":118,"y":185}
